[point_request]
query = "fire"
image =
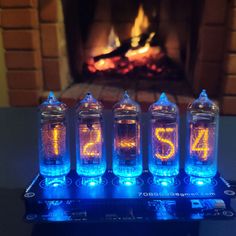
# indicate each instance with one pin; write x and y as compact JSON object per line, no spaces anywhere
{"x":106,"y":64}
{"x":135,"y":54}
{"x":141,"y":24}
{"x":113,"y":41}
{"x":123,"y":57}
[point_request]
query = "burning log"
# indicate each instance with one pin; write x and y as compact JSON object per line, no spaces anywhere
{"x":125,"y":56}
{"x":145,"y":60}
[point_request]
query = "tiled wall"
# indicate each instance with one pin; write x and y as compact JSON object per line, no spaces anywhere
{"x":229,"y":69}
{"x":35,"y":53}
{"x":210,"y":47}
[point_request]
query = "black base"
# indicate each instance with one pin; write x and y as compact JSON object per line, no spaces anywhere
{"x":144,"y":202}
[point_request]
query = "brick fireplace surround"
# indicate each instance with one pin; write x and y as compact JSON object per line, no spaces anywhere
{"x":36,"y":54}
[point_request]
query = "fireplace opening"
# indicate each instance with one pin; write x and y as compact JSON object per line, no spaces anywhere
{"x":142,"y":56}
{"x":145,"y":47}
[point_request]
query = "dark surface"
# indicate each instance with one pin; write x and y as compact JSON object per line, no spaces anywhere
{"x":111,"y":202}
{"x":19,"y":164}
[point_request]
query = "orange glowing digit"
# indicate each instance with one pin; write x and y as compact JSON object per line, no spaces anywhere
{"x":126,"y":143}
{"x":171,"y":152}
{"x":90,"y":148}
{"x":200,"y":144}
{"x":55,"y":140}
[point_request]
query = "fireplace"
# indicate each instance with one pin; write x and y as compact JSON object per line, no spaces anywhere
{"x":145,"y":47}
{"x":181,"y":47}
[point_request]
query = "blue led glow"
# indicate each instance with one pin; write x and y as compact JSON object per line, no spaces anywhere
{"x":55,"y":170}
{"x":55,"y":182}
{"x":163,"y":100}
{"x":164,"y":181}
{"x":197,"y":169}
{"x":164,"y":170}
{"x":127,"y":172}
{"x":58,"y":214}
{"x":200,"y":181}
{"x":91,"y":170}
{"x":127,"y":181}
{"x":91,"y":181}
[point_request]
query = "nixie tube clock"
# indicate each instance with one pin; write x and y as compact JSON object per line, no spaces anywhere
{"x":202,"y":140}
{"x":163,"y":136}
{"x":91,"y":161}
{"x":127,"y":158}
{"x":54,"y":159}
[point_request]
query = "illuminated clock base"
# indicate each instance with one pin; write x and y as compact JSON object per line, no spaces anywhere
{"x":91,"y":181}
{"x":163,"y":181}
{"x":55,"y":182}
{"x":200,"y":181}
{"x":127,"y":181}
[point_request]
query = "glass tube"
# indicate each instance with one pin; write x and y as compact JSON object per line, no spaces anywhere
{"x":202,"y":127}
{"x":91,"y":161}
{"x":54,"y":159}
{"x":164,"y":147}
{"x":127,"y":158}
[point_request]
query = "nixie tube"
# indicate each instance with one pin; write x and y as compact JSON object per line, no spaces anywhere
{"x":54,"y":159}
{"x":127,"y":158}
{"x":202,"y":140}
{"x":91,"y":160}
{"x":163,"y":136}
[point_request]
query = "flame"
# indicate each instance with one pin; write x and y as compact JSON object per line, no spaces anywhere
{"x":135,"y":54}
{"x":113,"y":41}
{"x":104,"y":64}
{"x":141,"y":24}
